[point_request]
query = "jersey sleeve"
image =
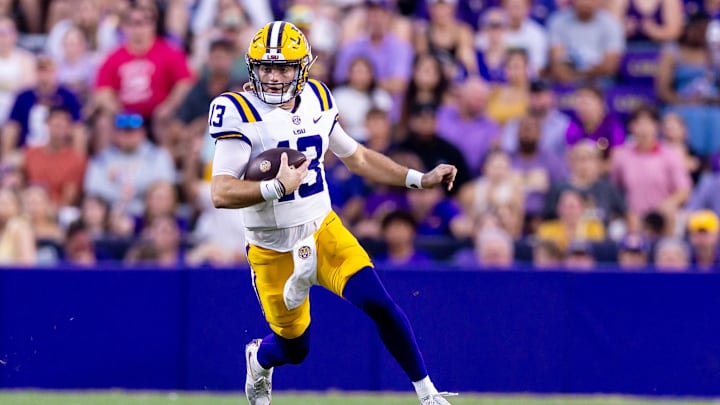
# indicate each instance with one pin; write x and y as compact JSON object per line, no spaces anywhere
{"x":341,"y":144}
{"x":231,"y":116}
{"x":230,"y":158}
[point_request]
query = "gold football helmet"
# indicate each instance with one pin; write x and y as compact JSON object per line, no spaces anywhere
{"x":279,"y":43}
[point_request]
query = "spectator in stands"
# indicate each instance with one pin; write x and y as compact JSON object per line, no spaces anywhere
{"x":95,"y":216}
{"x":354,"y":21}
{"x":437,"y":215}
{"x":27,"y":125}
{"x":122,"y":173}
{"x":57,"y":166}
{"x":17,"y":67}
{"x":205,"y":15}
{"x":654,"y":227}
{"x":546,"y":255}
{"x":427,"y":85}
{"x":11,"y":174}
{"x":686,"y":83}
{"x":448,"y":38}
{"x":509,"y":100}
{"x":99,"y":29}
{"x":347,"y":190}
{"x":358,"y":95}
{"x":594,"y":121}
{"x":399,"y":230}
{"x":466,"y":125}
{"x":586,"y":42}
{"x":584,"y":160}
{"x":633,"y":252}
{"x":498,"y":190}
{"x":705,"y":195}
{"x":674,"y":133}
{"x":160,"y":200}
{"x":494,"y":249}
{"x":430,"y":147}
{"x":46,"y":229}
{"x":392,"y":73}
{"x":219,"y":234}
{"x":78,"y":66}
{"x":649,"y":20}
{"x":101,"y":126}
{"x":651,"y":174}
{"x":553,"y":123}
{"x":379,"y":131}
{"x":381,"y":200}
{"x":538,"y":170}
{"x":491,"y":45}
{"x":231,"y":27}
{"x":28,"y":14}
{"x":580,"y":256}
{"x":575,"y":222}
{"x":147,"y":75}
{"x":79,"y":249}
{"x":672,"y":255}
{"x":190,"y":119}
{"x":704,"y":235}
{"x":525,"y":33}
{"x":159,"y":245}
{"x":319,"y":21}
{"x":17,"y":242}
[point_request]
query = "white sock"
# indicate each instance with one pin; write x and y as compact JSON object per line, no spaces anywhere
{"x":424,"y":387}
{"x":257,"y":368}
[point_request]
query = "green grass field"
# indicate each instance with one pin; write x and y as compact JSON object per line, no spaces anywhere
{"x":122,"y":398}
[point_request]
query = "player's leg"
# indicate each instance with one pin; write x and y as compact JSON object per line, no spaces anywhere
{"x":366,"y":292}
{"x":345,"y":268}
{"x":276,"y":350}
{"x":289,"y":341}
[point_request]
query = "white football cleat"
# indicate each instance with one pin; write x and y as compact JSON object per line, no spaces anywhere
{"x":437,"y":399}
{"x":258,"y":387}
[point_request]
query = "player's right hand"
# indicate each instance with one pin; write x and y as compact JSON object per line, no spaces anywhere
{"x":289,"y":176}
{"x":441,"y":174}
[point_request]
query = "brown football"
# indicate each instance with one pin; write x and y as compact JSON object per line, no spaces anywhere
{"x":266,"y":165}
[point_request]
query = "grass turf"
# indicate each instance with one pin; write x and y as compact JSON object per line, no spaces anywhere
{"x":123,"y":398}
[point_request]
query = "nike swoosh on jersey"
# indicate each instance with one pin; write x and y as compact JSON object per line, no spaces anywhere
{"x":315,"y":120}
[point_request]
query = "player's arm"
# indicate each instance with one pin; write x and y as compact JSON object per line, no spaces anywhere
{"x":381,"y":169}
{"x":229,"y":191}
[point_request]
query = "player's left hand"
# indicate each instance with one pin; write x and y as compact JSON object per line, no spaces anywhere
{"x":441,"y":174}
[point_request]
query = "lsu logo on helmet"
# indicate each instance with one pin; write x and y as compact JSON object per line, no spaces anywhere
{"x":279,"y":43}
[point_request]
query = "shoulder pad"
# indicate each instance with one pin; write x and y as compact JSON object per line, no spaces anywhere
{"x":322,"y":93}
{"x":247,"y":111}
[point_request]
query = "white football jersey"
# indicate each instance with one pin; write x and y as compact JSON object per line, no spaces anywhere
{"x":262,"y":126}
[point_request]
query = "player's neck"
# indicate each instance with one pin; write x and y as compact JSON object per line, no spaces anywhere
{"x":291,"y":105}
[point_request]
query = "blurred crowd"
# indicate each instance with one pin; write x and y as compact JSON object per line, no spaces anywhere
{"x":583,"y":130}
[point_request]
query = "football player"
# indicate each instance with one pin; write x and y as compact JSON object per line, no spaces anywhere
{"x":294,"y":238}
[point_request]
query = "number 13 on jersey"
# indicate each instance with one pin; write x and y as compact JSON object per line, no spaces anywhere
{"x":303,"y":144}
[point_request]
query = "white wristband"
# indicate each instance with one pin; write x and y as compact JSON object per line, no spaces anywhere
{"x":413,"y":179}
{"x":269,"y":190}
